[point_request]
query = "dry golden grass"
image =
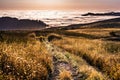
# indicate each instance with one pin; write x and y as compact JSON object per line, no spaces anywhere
{"x":65,"y":75}
{"x":103,"y":32}
{"x":85,"y":71}
{"x":24,"y":60}
{"x":27,"y":58}
{"x":96,"y":52}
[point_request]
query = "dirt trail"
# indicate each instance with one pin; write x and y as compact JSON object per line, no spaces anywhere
{"x":61,"y":62}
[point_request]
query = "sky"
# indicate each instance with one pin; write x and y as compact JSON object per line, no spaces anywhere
{"x":60,"y":4}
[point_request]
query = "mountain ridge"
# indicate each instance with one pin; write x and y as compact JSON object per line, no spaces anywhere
{"x":9,"y":23}
{"x":102,"y":14}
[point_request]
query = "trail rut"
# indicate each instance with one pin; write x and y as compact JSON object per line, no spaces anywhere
{"x":61,"y":62}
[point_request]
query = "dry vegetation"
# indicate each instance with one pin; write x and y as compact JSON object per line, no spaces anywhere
{"x":104,"y":55}
{"x":65,"y":75}
{"x":24,"y":59}
{"x":101,"y":33}
{"x":31,"y":57}
{"x":84,"y":70}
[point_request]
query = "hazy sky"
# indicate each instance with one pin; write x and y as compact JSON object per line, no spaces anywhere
{"x":61,"y":4}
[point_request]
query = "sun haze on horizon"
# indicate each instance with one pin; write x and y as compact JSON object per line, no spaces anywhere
{"x":60,"y":4}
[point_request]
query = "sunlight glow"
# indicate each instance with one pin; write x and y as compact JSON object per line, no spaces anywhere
{"x":60,"y":4}
{"x":51,"y":2}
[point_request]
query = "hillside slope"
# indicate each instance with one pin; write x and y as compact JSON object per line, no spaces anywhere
{"x":110,"y":23}
{"x":8,"y":23}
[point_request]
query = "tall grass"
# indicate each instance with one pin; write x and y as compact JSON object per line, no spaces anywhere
{"x":84,"y":70}
{"x":96,"y":53}
{"x":65,"y":75}
{"x":26,"y":59}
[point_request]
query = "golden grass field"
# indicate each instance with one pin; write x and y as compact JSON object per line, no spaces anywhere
{"x":101,"y":54}
{"x":24,"y":59}
{"x":79,"y":54}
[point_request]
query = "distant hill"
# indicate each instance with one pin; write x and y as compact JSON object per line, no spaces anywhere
{"x":102,"y":14}
{"x":8,"y":23}
{"x":110,"y":23}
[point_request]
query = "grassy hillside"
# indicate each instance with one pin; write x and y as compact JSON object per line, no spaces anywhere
{"x":110,"y":23}
{"x":99,"y":52}
{"x":24,"y":57}
{"x":87,"y":53}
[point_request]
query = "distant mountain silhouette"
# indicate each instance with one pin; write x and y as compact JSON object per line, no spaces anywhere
{"x":8,"y":23}
{"x":103,"y":14}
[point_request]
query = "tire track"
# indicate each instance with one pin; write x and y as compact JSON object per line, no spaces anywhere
{"x":61,"y":62}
